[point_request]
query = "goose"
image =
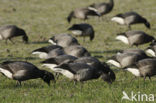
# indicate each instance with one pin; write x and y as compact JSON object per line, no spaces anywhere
{"x":130,"y":18}
{"x":83,"y":30}
{"x":143,"y":68}
{"x":79,"y":71}
{"x":22,"y":71}
{"x":103,"y":8}
{"x":151,"y":49}
{"x":134,"y":51}
{"x":48,"y":51}
{"x":135,"y":37}
{"x":63,"y":40}
{"x":8,"y":32}
{"x":55,"y":61}
{"x":82,"y":13}
{"x":76,"y":50}
{"x":125,"y":59}
{"x":108,"y":74}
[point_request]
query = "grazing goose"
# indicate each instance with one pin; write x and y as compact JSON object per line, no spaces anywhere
{"x":125,"y":59}
{"x":151,"y":49}
{"x":76,"y":50}
{"x":10,"y":31}
{"x":83,"y":30}
{"x":107,"y":74}
{"x":82,"y":13}
{"x":134,"y":51}
{"x":143,"y":68}
{"x":130,"y":18}
{"x":63,"y":40}
{"x":21,"y":71}
{"x":79,"y":71}
{"x":135,"y":38}
{"x":102,"y":8}
{"x":46,"y":51}
{"x":55,"y":61}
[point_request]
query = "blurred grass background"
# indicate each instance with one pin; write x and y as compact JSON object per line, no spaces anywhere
{"x":42,"y":19}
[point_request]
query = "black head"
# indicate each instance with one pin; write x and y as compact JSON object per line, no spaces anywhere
{"x":147,"y":24}
{"x":69,"y":18}
{"x":92,"y":36}
{"x":25,"y":38}
{"x":109,"y":77}
{"x":22,"y":32}
{"x":47,"y":77}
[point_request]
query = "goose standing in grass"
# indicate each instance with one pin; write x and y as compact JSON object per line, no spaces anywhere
{"x":82,"y":13}
{"x":76,"y":50}
{"x":108,"y":74}
{"x":55,"y":61}
{"x":122,"y":60}
{"x":80,"y":72}
{"x":48,"y":51}
{"x":63,"y":40}
{"x":21,"y":71}
{"x":83,"y":30}
{"x":151,"y":49}
{"x":143,"y":68}
{"x":10,"y":31}
{"x":135,"y":38}
{"x":103,"y":8}
{"x":130,"y":18}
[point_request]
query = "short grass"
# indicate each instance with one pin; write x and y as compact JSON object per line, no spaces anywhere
{"x":42,"y":19}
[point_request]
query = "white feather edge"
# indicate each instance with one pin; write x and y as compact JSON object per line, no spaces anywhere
{"x":151,"y":52}
{"x":41,"y":55}
{"x":51,"y":41}
{"x":122,"y":38}
{"x":6,"y":73}
{"x":118,"y":20}
{"x":113,"y":62}
{"x":134,"y":71}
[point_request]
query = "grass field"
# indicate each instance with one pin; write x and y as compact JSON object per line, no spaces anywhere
{"x":42,"y":19}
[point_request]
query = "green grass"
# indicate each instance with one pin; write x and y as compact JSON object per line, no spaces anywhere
{"x":42,"y":19}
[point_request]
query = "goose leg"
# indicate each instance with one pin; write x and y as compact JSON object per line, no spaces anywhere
{"x":149,"y":78}
{"x":133,"y":79}
{"x":6,"y":41}
{"x":129,"y":27}
{"x":18,"y":83}
{"x":11,"y":41}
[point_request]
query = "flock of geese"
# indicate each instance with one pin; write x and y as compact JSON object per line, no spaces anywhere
{"x":66,"y":56}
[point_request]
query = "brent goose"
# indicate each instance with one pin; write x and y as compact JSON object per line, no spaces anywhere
{"x":83,"y":30}
{"x":63,"y":40}
{"x":82,"y":13}
{"x":48,"y":51}
{"x":55,"y":61}
{"x":130,"y":18}
{"x":80,"y":72}
{"x":122,"y":60}
{"x":135,"y":38}
{"x":143,"y":68}
{"x":21,"y":71}
{"x":10,"y":31}
{"x":76,"y":50}
{"x":103,"y":8}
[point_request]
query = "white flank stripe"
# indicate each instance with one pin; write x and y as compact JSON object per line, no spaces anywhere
{"x":66,"y":73}
{"x":77,"y":32}
{"x":91,"y":8}
{"x":1,"y":38}
{"x":151,"y":52}
{"x":51,"y":66}
{"x":134,"y":71}
{"x":6,"y":73}
{"x":123,"y":39}
{"x":51,"y":41}
{"x":41,"y":55}
{"x":118,"y":20}
{"x":115,"y":63}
